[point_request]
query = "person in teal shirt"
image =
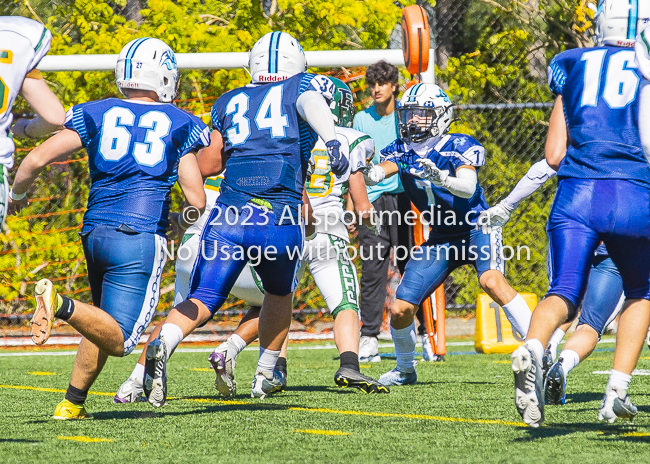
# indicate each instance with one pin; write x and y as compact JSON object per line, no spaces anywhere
{"x":380,"y":123}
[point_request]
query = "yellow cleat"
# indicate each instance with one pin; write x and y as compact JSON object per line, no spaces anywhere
{"x":66,"y":410}
{"x":46,"y":307}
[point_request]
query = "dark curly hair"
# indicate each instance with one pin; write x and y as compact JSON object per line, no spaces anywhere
{"x":382,"y":73}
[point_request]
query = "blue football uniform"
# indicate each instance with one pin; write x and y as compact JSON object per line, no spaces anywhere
{"x":267,"y":146}
{"x":604,"y":183}
{"x":453,"y":239}
{"x":133,"y":150}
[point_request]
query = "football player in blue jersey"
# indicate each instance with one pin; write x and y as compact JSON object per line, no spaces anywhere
{"x":439,"y":174}
{"x":602,"y":302}
{"x":137,"y":149}
{"x":267,"y":130}
{"x":603,"y":195}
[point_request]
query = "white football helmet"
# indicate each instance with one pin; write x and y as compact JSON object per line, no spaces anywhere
{"x":148,"y":64}
{"x":424,"y":111}
{"x":276,"y":57}
{"x":619,"y":21}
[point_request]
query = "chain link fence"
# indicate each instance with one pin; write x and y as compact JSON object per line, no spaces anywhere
{"x":491,"y":57}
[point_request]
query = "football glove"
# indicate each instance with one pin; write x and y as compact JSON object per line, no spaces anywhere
{"x":497,"y":216}
{"x":431,"y":172}
{"x":373,"y":174}
{"x":338,"y":162}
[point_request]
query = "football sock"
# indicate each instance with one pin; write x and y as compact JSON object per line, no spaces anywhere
{"x":404,"y":340}
{"x":350,"y":360}
{"x":281,"y":365}
{"x":138,"y":373}
{"x":570,"y":359}
{"x":76,"y":395}
{"x":536,"y":347}
{"x":65,"y":308}
{"x":267,"y":361}
{"x":555,"y":341}
{"x":236,"y":344}
{"x":519,"y":314}
{"x":618,"y":381}
{"x":172,"y":335}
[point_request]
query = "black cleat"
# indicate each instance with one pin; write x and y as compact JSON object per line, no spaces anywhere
{"x":547,"y":363}
{"x":346,"y":377}
{"x":555,"y":384}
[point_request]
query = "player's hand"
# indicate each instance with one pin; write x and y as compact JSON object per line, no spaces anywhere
{"x":497,"y":216}
{"x":15,"y":206}
{"x":18,"y":129}
{"x":432,"y":173}
{"x":338,"y":162}
{"x":310,"y":232}
{"x":373,"y":174}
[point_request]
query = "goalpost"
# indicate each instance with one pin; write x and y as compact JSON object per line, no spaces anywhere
{"x":415,"y":54}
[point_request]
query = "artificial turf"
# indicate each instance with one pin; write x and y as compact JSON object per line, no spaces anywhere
{"x":460,"y":411}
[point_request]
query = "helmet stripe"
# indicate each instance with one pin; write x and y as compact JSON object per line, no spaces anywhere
{"x":128,"y":68}
{"x":414,"y":89}
{"x":632,"y":19}
{"x":273,"y":52}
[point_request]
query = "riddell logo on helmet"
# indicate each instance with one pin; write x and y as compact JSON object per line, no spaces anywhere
{"x":276,"y":78}
{"x":129,"y":84}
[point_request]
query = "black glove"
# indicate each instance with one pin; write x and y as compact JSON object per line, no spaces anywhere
{"x":338,"y":162}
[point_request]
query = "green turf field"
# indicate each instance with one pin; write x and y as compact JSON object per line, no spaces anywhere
{"x":460,"y":411}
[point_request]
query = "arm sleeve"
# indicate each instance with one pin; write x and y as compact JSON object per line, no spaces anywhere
{"x":557,"y":76}
{"x":463,"y":185}
{"x":642,"y":52}
{"x":361,"y":150}
{"x":41,"y":47}
{"x":538,"y":173}
{"x":313,"y":108}
{"x":199,"y":137}
{"x":75,"y":120}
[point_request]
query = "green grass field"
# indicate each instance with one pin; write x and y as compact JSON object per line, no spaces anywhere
{"x":460,"y":411}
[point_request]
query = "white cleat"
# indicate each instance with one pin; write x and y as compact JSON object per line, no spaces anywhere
{"x":224,"y":367}
{"x":131,"y":391}
{"x":427,"y":349}
{"x":266,"y":384}
{"x":155,"y":372}
{"x":613,"y":407}
{"x":529,"y":387}
{"x":369,"y":349}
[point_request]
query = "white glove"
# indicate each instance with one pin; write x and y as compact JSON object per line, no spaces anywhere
{"x":431,"y":172}
{"x":497,"y":216}
{"x":373,"y":174}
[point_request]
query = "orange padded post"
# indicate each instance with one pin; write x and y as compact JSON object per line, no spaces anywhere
{"x":435,"y":325}
{"x":415,"y":39}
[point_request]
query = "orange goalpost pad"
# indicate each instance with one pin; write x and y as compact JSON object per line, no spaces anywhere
{"x":415,"y":39}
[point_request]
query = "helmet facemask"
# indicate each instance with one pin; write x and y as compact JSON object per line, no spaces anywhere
{"x":418,"y":123}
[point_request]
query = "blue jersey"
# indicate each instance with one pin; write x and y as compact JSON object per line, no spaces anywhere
{"x":266,"y":142}
{"x":449,"y":216}
{"x":133,"y":153}
{"x":599,"y":88}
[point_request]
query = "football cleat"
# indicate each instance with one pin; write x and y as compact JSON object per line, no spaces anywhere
{"x":155,"y":373}
{"x":397,"y":377}
{"x":369,"y":349}
{"x":46,"y":306}
{"x":427,"y":349}
{"x":346,"y":377}
{"x":131,"y":391}
{"x":555,"y":384}
{"x":263,"y":385}
{"x":529,"y":393}
{"x":66,"y":410}
{"x":547,"y":362}
{"x":613,"y":407}
{"x":224,"y":367}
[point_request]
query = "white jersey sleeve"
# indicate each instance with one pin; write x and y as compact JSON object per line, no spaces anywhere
{"x":538,"y":173}
{"x":362,"y":149}
{"x":23,"y":43}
